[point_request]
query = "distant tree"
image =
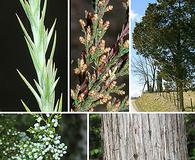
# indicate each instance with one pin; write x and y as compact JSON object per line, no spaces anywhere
{"x":167,"y":34}
{"x":144,"y":137}
{"x":145,"y":68}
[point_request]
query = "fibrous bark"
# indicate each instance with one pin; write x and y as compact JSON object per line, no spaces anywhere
{"x":144,"y":137}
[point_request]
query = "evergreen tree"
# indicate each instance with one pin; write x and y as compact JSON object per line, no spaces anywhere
{"x":166,"y":33}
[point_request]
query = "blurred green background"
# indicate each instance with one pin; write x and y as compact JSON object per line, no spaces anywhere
{"x":95,"y":143}
{"x":190,"y":129}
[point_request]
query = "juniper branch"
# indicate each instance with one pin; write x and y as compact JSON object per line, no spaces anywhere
{"x":99,"y":66}
{"x":38,"y":46}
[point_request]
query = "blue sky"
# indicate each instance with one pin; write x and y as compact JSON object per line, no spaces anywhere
{"x":138,"y":8}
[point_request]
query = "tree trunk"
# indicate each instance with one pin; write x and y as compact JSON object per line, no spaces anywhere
{"x":148,"y":85}
{"x":153,"y":79}
{"x":153,"y":83}
{"x":159,"y":82}
{"x":180,"y":68}
{"x":144,"y":137}
{"x":180,"y":96}
{"x":143,"y":87}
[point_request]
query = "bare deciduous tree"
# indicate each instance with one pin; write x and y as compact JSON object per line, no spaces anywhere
{"x":146,"y":69}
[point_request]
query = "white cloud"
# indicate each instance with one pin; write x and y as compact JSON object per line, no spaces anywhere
{"x":135,"y":16}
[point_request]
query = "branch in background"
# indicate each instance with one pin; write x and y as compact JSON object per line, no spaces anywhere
{"x":99,"y":66}
{"x":38,"y":45}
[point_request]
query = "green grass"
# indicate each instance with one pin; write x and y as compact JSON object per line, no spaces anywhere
{"x":150,"y":102}
{"x":153,"y":102}
{"x":187,"y":96}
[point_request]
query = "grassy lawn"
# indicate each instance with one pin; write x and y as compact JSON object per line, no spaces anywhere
{"x":187,"y":96}
{"x":153,"y":102}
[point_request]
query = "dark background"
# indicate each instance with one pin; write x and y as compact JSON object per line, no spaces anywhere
{"x":117,"y":18}
{"x":14,"y":54}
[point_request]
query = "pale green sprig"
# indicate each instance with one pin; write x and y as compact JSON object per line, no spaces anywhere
{"x":38,"y":46}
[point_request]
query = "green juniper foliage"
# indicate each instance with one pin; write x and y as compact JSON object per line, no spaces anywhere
{"x":43,"y":144}
{"x":99,"y":66}
{"x":38,"y":46}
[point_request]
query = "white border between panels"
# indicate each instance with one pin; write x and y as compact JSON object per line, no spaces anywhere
{"x":88,"y":136}
{"x":88,"y":113}
{"x":130,"y":110}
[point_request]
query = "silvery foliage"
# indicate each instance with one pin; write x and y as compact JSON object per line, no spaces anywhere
{"x":45,"y":144}
{"x":38,"y":45}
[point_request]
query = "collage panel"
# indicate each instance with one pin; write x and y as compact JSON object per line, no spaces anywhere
{"x":163,"y":57}
{"x":99,"y":49}
{"x":66,"y":71}
{"x":27,"y":49}
{"x":133,"y":136}
{"x":43,"y":136}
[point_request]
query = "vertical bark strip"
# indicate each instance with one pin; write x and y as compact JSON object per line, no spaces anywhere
{"x":144,"y":137}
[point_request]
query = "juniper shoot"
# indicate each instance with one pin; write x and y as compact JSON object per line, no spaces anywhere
{"x":100,"y":66}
